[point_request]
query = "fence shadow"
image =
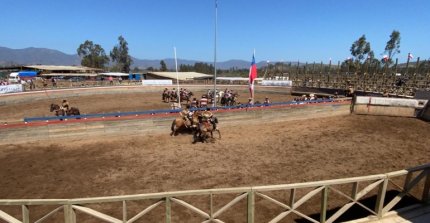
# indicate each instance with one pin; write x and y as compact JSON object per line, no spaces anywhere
{"x":357,"y":212}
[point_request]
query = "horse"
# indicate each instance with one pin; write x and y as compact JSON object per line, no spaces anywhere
{"x":229,"y":99}
{"x":61,"y":112}
{"x":186,"y":96}
{"x":173,"y":96}
{"x":179,"y":123}
{"x":219,"y":96}
{"x":165,"y":96}
{"x":73,"y":111}
{"x":205,"y":130}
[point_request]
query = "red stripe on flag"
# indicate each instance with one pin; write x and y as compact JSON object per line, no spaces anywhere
{"x":252,"y":76}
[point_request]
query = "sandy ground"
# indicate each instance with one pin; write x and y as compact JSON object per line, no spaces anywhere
{"x":247,"y":155}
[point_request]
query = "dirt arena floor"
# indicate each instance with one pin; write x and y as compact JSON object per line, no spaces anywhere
{"x":247,"y":155}
{"x":121,"y":101}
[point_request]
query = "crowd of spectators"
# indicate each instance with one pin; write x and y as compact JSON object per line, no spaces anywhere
{"x":3,"y":82}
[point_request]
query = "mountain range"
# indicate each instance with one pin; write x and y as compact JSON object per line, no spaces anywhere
{"x":32,"y":56}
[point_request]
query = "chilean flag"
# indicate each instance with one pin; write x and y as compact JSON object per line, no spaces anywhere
{"x":252,"y":76}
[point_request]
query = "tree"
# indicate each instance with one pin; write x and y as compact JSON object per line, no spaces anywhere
{"x":203,"y":68}
{"x":163,"y":66}
{"x":119,"y":54}
{"x":92,"y":55}
{"x":360,"y":49}
{"x":393,"y":46}
{"x":135,"y":70}
{"x":186,"y":68}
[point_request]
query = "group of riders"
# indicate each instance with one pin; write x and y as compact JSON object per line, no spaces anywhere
{"x":172,"y":95}
{"x":227,"y":97}
{"x":202,"y":123}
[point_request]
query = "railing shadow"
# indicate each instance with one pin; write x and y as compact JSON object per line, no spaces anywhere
{"x":357,"y":212}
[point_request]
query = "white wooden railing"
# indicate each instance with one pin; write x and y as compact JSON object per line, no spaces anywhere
{"x":417,"y":179}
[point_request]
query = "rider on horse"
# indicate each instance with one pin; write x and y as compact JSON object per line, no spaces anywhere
{"x":187,"y":115}
{"x":203,"y":101}
{"x":165,"y":94}
{"x":194,"y":103}
{"x":65,"y":106}
{"x":207,"y":117}
{"x":266,"y":101}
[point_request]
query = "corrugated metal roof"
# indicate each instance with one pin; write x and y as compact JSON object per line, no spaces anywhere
{"x":69,"y":75}
{"x":182,"y":75}
{"x":63,"y":68}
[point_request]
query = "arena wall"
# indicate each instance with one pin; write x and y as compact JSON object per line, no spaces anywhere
{"x":387,"y":106}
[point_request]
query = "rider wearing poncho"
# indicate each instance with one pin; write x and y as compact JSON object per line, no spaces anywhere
{"x":207,"y":117}
{"x":186,"y":114}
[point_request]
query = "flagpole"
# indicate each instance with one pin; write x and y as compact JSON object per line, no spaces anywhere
{"x":407,"y":63}
{"x":177,"y":78}
{"x":253,"y":86}
{"x":216,"y":24}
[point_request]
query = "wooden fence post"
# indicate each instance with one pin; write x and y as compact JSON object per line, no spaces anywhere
{"x":292,"y":198}
{"x":251,"y":206}
{"x":324,"y":198}
{"x":381,"y":197}
{"x":69,"y":214}
{"x":168,"y":210}
{"x":25,"y":214}
{"x":211,"y":205}
{"x":124,"y":211}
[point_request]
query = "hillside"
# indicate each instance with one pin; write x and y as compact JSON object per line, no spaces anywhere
{"x":32,"y":55}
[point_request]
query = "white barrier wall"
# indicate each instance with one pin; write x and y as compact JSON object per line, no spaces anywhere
{"x":12,"y":88}
{"x":388,"y":106}
{"x":277,"y":83}
{"x":156,"y":82}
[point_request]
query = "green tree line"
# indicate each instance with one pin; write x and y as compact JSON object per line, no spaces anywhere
{"x":362,"y":58}
{"x":93,"y":55}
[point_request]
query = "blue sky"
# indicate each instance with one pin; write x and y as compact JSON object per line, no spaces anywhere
{"x":279,"y":30}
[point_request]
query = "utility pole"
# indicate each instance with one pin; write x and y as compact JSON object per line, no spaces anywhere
{"x":216,"y":24}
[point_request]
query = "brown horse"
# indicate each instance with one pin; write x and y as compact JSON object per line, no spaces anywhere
{"x":60,"y":112}
{"x":205,"y":130}
{"x":179,"y":123}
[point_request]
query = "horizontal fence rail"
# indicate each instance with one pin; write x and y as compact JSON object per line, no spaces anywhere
{"x":413,"y":177}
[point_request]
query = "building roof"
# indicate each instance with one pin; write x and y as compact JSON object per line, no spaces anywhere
{"x":114,"y":74}
{"x":61,"y":68}
{"x":182,"y":75}
{"x":69,"y":75}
